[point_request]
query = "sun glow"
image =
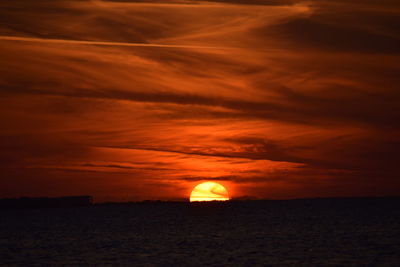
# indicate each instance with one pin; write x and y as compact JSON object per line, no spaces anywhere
{"x":209,"y":191}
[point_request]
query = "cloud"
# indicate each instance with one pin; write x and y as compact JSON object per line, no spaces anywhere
{"x":278,"y":99}
{"x":372,"y":32}
{"x":80,"y":42}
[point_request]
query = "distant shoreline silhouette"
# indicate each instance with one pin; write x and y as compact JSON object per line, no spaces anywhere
{"x":45,"y":202}
{"x":86,"y":200}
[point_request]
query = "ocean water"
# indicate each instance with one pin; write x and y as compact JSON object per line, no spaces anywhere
{"x":329,"y":232}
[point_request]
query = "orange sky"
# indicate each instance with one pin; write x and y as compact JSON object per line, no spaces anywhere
{"x":133,"y":100}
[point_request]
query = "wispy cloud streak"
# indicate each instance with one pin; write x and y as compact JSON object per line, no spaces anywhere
{"x":80,"y":42}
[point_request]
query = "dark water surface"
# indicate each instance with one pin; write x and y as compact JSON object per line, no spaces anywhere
{"x":329,"y":232}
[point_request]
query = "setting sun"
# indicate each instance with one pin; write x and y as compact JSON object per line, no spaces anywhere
{"x":209,"y":191}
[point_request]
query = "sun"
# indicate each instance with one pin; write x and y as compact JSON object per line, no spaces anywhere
{"x":209,"y":191}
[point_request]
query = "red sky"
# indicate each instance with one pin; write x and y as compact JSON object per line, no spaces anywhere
{"x":133,"y":100}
